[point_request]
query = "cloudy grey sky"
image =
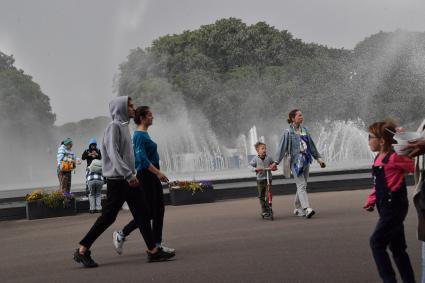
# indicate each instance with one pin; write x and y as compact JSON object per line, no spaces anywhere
{"x":73,"y":48}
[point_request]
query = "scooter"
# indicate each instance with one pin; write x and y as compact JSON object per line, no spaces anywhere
{"x":268,"y":196}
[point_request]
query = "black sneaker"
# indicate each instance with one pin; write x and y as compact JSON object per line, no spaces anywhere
{"x":160,"y":255}
{"x":85,"y":259}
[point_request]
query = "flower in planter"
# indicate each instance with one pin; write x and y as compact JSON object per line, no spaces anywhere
{"x":193,"y":186}
{"x":52,"y":200}
{"x":36,"y":195}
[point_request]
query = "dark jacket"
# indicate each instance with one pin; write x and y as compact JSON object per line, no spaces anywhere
{"x":89,"y":158}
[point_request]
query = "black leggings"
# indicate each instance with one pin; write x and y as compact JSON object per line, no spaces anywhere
{"x":118,"y":191}
{"x":153,"y":205}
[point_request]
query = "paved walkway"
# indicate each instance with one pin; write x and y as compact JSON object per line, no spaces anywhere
{"x":224,"y":241}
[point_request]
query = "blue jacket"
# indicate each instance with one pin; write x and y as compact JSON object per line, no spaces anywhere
{"x":289,"y":136}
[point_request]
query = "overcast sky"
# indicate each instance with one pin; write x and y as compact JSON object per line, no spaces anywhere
{"x":72,"y":48}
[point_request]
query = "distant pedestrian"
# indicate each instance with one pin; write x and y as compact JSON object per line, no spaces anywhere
{"x":90,"y":154}
{"x":258,"y":164}
{"x":389,"y":194}
{"x":122,"y":184}
{"x":298,"y":144}
{"x":95,"y":182}
{"x":66,"y":162}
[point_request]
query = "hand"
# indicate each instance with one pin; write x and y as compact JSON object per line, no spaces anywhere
{"x":369,"y":208}
{"x":417,"y":147}
{"x":322,"y":163}
{"x":162,"y":177}
{"x":134,"y":183}
{"x":273,"y":167}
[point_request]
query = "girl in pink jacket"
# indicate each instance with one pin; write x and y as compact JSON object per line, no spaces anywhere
{"x":389,"y":195}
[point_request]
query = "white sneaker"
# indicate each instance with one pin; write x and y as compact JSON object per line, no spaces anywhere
{"x":118,"y":239}
{"x":167,"y":249}
{"x":309,"y":212}
{"x":299,"y":212}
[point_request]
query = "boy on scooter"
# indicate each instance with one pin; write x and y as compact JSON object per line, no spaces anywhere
{"x":258,"y":164}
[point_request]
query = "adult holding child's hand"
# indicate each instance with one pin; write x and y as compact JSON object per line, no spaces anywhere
{"x":297,"y":144}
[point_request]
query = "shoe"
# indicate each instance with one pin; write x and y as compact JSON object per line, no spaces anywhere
{"x":85,"y":259}
{"x":309,"y":212}
{"x":160,"y":255}
{"x":166,"y":249}
{"x":91,"y":211}
{"x":265,"y":214}
{"x":299,"y":212}
{"x":118,"y":239}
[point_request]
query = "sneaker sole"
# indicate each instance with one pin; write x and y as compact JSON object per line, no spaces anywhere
{"x":161,"y":258}
{"x":310,"y":214}
{"x":77,"y":260}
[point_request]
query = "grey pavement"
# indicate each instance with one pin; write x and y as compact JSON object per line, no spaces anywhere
{"x":225,"y":241}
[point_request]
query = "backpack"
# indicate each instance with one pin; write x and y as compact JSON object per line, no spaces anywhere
{"x":96,"y":166}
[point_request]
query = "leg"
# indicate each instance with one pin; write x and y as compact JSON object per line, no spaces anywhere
{"x":297,"y":203}
{"x":379,"y":241}
{"x":301,"y":196}
{"x":98,"y":196}
{"x":261,"y":187}
{"x":158,"y":210}
{"x":141,"y":218}
{"x":130,"y":227}
{"x":92,"y":194}
{"x":61,"y":177}
{"x":401,"y":258}
{"x":423,"y":262}
{"x":116,"y":192}
{"x":68,"y":181}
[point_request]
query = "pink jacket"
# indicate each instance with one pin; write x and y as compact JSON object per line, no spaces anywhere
{"x":395,"y":170}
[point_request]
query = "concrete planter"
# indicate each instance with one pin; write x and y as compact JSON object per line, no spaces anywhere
{"x":37,"y":210}
{"x":180,"y":196}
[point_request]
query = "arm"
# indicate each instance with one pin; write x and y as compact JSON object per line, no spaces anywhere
{"x":141,"y":156}
{"x":253,"y":164}
{"x":85,"y":155}
{"x":315,"y":152}
{"x":371,"y":201}
{"x":60,"y":155}
{"x":313,"y":147}
{"x":282,"y":147}
{"x":99,"y":154}
{"x":112,"y":138}
{"x":404,"y":163}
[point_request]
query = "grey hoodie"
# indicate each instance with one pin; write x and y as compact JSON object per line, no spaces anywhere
{"x":117,"y":146}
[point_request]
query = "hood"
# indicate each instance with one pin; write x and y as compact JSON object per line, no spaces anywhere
{"x":92,"y":141}
{"x":96,"y":166}
{"x":118,"y":107}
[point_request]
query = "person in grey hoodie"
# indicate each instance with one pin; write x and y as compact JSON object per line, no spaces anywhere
{"x":122,"y":184}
